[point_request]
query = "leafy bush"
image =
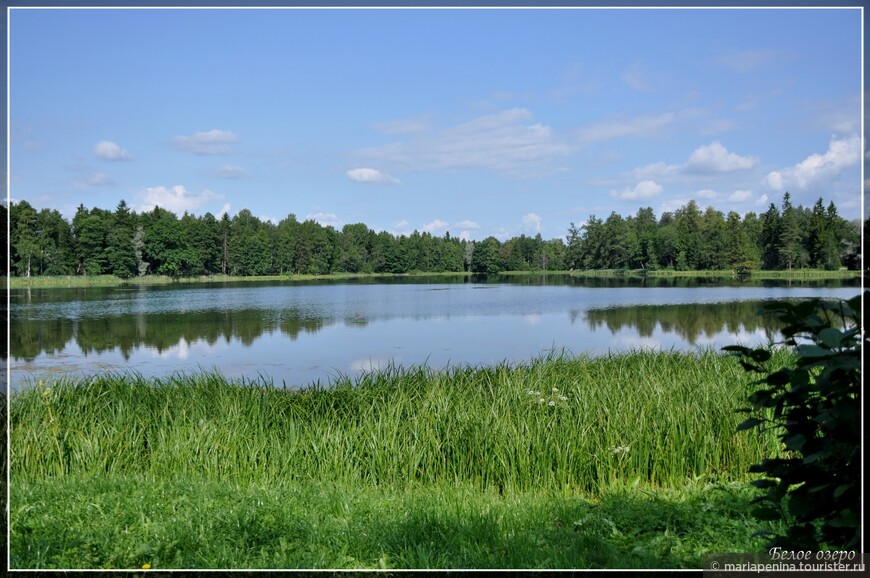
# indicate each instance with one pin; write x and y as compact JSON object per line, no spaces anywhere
{"x":815,"y":409}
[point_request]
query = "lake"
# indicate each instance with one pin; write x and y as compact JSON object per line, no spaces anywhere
{"x":299,"y":333}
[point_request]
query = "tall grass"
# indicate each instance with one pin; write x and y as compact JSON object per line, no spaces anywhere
{"x":559,"y":423}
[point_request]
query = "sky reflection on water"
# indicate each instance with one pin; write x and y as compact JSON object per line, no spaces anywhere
{"x":301,"y":334}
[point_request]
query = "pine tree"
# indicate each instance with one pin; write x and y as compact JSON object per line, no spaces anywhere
{"x":788,"y":247}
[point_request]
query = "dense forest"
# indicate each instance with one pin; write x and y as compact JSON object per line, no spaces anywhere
{"x":129,"y":244}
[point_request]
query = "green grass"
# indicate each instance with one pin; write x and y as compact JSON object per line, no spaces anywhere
{"x":754,"y":274}
{"x":405,"y":426}
{"x":406,"y":467}
{"x":129,"y":521}
{"x":48,"y":282}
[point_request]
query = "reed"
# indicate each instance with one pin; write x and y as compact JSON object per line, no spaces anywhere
{"x":558,"y":423}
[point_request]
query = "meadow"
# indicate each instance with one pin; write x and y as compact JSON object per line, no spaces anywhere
{"x":629,"y":460}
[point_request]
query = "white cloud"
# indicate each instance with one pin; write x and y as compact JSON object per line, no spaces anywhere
{"x":532,"y":221}
{"x":464,"y":235}
{"x":842,"y":153}
{"x":435,"y":225}
{"x":412,"y":125}
{"x":504,"y":142}
{"x":373,"y":176}
{"x":643,"y":190}
{"x":715,"y":158}
{"x":762,"y":200}
{"x":109,"y":151}
{"x":633,"y":127}
{"x":706,"y":160}
{"x":95,"y":180}
{"x":660,"y":170}
{"x":325,"y":219}
{"x":750,"y":60}
{"x":176,"y":199}
{"x":707,"y":194}
{"x":467,"y":225}
{"x":232,"y":172}
{"x":774,"y":180}
{"x":740,"y":196}
{"x":213,"y":142}
{"x":635,"y":78}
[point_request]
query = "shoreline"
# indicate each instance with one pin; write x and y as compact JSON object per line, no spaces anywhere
{"x":68,"y":281}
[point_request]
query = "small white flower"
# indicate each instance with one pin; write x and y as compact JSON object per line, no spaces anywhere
{"x":542,"y":400}
{"x":555,"y":390}
{"x":563,"y":398}
{"x":552,"y":404}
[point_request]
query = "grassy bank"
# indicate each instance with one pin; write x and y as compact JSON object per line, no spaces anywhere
{"x":722,"y":274}
{"x":110,"y":280}
{"x":506,"y":466}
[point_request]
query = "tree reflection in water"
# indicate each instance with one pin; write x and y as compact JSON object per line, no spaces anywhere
{"x":690,"y":321}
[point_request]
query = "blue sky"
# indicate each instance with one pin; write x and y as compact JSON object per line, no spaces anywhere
{"x":477,"y":122}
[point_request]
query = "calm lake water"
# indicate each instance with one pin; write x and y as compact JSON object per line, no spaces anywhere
{"x":299,"y":333}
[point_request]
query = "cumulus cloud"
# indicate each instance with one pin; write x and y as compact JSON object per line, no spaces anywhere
{"x":505,"y":142}
{"x":532,"y":221}
{"x":762,"y":200}
{"x":642,"y":191}
{"x":325,"y":219}
{"x":225,"y":210}
{"x":774,"y":180}
{"x":371,"y":176}
{"x":232,"y":172}
{"x":468,"y":224}
{"x":842,"y":154}
{"x":435,"y":225}
{"x":707,"y":194}
{"x":176,"y":199}
{"x":715,"y":158}
{"x":739,"y":196}
{"x":109,"y":151}
{"x":212,"y":142}
{"x":706,"y":160}
{"x":95,"y":180}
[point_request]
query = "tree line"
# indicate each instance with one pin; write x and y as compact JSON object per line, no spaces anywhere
{"x":128,"y":244}
{"x":785,"y":237}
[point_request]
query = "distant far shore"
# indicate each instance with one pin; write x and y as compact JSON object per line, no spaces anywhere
{"x":45,"y":282}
